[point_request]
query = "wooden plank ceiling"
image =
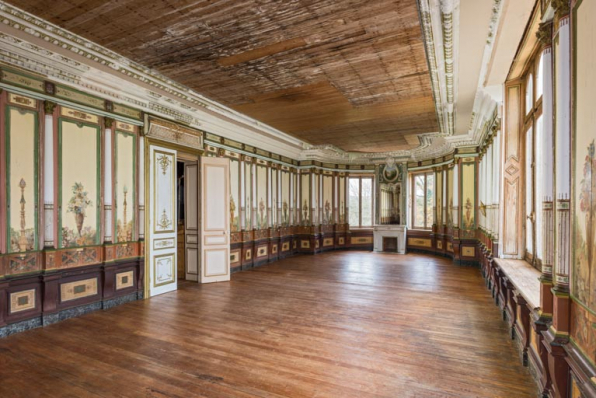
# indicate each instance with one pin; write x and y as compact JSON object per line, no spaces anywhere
{"x":351,"y":73}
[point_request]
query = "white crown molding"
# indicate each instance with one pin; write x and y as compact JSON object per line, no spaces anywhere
{"x":439,"y":20}
{"x":484,"y":103}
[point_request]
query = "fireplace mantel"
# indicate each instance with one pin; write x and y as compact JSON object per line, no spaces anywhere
{"x":386,"y":231}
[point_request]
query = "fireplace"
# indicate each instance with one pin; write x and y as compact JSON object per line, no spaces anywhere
{"x":390,"y":238}
{"x":390,"y":244}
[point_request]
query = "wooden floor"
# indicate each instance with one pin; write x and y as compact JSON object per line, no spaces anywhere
{"x":344,"y":324}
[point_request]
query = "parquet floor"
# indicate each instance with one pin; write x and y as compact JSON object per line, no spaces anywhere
{"x":340,"y":324}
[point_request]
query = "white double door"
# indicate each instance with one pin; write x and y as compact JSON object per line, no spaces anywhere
{"x":207,"y":239}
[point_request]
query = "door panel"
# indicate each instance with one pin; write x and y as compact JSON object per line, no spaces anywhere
{"x":191,"y":222}
{"x":162,"y":220}
{"x":215,"y":225}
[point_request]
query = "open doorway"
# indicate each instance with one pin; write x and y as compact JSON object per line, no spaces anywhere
{"x":180,"y":204}
{"x":187,"y":202}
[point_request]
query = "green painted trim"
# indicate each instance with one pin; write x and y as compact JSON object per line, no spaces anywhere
{"x":115,"y":183}
{"x":35,"y":173}
{"x":98,"y":180}
{"x":20,"y":73}
{"x":580,"y":349}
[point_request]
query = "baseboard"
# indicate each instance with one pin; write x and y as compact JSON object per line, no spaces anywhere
{"x":74,"y":312}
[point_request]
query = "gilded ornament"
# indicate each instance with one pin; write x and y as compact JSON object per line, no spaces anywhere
{"x":49,"y":107}
{"x":545,"y":34}
{"x":164,"y":222}
{"x":164,"y":162}
{"x":561,"y":7}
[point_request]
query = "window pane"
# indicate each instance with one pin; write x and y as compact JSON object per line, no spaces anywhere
{"x":539,"y":78}
{"x":529,"y":192}
{"x":367,"y":202}
{"x":354,"y":199}
{"x":419,"y":201}
{"x":430,"y":190}
{"x":538,"y":197}
{"x":529,"y":94}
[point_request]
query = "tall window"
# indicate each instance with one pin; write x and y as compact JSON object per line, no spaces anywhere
{"x":533,"y":86}
{"x":360,"y":201}
{"x":423,"y":189}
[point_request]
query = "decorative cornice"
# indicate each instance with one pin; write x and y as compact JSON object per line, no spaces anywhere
{"x":485,"y":106}
{"x":438,"y":29}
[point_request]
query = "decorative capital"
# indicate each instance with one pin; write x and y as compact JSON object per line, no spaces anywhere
{"x":108,"y":122}
{"x":545,"y":34}
{"x":49,"y":106}
{"x":561,"y":7}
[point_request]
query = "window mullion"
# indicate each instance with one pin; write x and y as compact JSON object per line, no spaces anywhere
{"x":360,"y":202}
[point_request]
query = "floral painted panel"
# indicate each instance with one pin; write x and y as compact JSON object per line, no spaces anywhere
{"x":79,"y":184}
{"x":342,"y":200}
{"x":285,"y":198}
{"x":248,"y":195}
{"x":328,"y":200}
{"x":468,"y":197}
{"x":450,"y":196}
{"x":124,"y":186}
{"x":262,"y":221}
{"x":274,"y":197}
{"x":21,"y":157}
{"x":316,"y":198}
{"x":234,"y":195}
{"x":305,"y":199}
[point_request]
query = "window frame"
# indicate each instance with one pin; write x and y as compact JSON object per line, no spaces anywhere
{"x":372,"y":200}
{"x":413,"y":176}
{"x":530,"y":120}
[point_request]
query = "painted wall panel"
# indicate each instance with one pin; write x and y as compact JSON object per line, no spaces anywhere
{"x":262,"y":203}
{"x":22,"y":141}
{"x":583,"y":262}
{"x":79,"y":185}
{"x":234,"y":195}
{"x":125,"y":186}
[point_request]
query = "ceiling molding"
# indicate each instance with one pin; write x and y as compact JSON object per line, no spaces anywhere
{"x":439,"y":20}
{"x":38,"y":46}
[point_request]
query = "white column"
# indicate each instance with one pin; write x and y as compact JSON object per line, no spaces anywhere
{"x":548,"y":236}
{"x":279,"y":197}
{"x":494,"y":200}
{"x":562,"y":155}
{"x":498,"y":182}
{"x":444,"y":204}
{"x":48,"y":176}
{"x":242,"y":193}
{"x":107,"y":201}
{"x":254,"y":199}
{"x":456,"y":195}
{"x":482,"y":188}
{"x":269,"y":197}
{"x":141,"y":188}
{"x":291,"y":200}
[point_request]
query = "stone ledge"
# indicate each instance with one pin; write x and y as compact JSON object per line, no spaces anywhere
{"x":524,"y":277}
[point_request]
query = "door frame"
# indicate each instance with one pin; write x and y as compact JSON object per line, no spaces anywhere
{"x":147,"y":142}
{"x":187,"y":159}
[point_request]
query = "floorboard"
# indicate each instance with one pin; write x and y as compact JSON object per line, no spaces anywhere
{"x":339,"y":324}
